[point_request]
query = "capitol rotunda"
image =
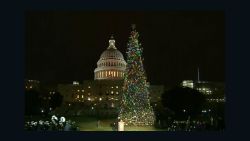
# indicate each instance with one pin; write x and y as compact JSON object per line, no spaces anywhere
{"x":111,"y":65}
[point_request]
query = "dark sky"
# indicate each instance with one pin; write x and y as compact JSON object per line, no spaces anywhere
{"x":64,"y":46}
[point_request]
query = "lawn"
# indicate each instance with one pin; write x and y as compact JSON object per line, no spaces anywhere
{"x":90,"y":124}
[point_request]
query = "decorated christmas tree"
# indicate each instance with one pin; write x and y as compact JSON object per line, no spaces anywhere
{"x":135,"y":106}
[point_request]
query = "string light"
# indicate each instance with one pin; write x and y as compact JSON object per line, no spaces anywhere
{"x":135,"y":105}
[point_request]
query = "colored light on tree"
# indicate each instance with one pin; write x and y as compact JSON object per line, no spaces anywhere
{"x":135,"y":106}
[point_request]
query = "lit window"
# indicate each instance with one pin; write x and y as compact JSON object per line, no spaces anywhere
{"x":112,"y":105}
{"x":82,"y":90}
{"x":116,"y":86}
{"x":112,"y":87}
{"x":88,"y":86}
{"x":112,"y":92}
{"x":30,"y":87}
{"x":78,"y":90}
{"x":77,"y":96}
{"x":116,"y":92}
{"x":89,"y":98}
{"x":82,"y":96}
{"x":100,"y":99}
{"x":75,"y":83}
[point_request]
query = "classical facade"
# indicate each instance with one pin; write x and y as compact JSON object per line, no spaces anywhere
{"x":103,"y":94}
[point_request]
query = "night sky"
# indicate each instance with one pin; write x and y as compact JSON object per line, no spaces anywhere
{"x":64,"y":46}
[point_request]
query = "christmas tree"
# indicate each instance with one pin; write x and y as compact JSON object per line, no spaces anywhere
{"x":135,"y":106}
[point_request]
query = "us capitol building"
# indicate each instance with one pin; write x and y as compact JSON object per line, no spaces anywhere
{"x":101,"y":95}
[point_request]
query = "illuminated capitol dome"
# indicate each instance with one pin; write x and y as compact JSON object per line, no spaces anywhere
{"x":111,"y":64}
